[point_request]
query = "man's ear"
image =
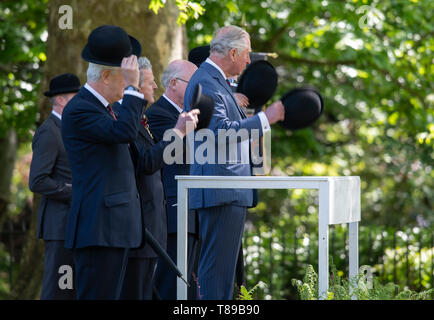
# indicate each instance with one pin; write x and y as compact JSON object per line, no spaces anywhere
{"x":232,"y":54}
{"x":58,"y":100}
{"x":105,"y":76}
{"x":173,"y":82}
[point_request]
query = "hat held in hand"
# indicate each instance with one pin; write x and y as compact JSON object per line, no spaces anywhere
{"x":205,"y":104}
{"x":258,"y":82}
{"x":63,"y":83}
{"x":108,"y":45}
{"x":303,"y":106}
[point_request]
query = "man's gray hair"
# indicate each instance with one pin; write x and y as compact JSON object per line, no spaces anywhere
{"x":94,"y":71}
{"x":227,"y":38}
{"x":174,"y":70}
{"x":144,"y":64}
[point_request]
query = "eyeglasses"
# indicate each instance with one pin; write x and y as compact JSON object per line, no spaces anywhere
{"x":182,"y":80}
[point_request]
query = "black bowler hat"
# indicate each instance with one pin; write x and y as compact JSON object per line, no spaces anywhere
{"x":258,"y":82}
{"x":198,"y":55}
{"x":108,"y":45}
{"x":205,"y":104}
{"x":303,"y":106}
{"x":63,"y":83}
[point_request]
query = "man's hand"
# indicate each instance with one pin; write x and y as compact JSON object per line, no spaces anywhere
{"x":275,"y":112}
{"x":130,"y":70}
{"x":242,"y":100}
{"x":187,"y":121}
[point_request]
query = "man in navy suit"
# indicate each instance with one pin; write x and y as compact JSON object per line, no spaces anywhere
{"x":50,"y":176}
{"x":148,"y":160}
{"x":222,"y":212}
{"x":105,"y":217}
{"x":162,"y":115}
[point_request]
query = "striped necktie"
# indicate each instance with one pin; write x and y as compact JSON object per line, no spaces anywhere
{"x":109,"y":108}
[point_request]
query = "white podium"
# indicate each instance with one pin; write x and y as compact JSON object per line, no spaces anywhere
{"x":339,"y":202}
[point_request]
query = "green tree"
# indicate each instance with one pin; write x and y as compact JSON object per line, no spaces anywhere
{"x":372,"y":62}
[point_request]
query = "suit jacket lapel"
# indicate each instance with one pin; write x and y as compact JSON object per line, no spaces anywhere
{"x":217,"y":75}
{"x":225,"y":85}
{"x":57,"y":122}
{"x":166,"y":105}
{"x":90,"y":97}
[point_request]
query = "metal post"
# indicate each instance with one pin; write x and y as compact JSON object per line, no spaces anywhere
{"x":420,"y":260}
{"x":323,"y":240}
{"x":354,"y":254}
{"x":181,"y":287}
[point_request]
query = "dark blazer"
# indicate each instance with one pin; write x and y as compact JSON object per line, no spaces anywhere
{"x":162,"y":115}
{"x":50,"y":176}
{"x":227,"y":115}
{"x":148,"y":160}
{"x":105,"y":206}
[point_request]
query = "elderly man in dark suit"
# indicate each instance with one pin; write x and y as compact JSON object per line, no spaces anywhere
{"x":105,"y":218}
{"x":222,"y":212}
{"x":162,"y":115}
{"x":148,"y":159}
{"x":50,"y":176}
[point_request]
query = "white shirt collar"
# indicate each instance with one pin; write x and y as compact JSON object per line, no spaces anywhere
{"x":173,"y":104}
{"x":97,"y":95}
{"x":208,"y":60}
{"x":56,"y":114}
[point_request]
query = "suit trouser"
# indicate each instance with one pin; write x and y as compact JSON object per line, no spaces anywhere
{"x":138,"y":280}
{"x":100,"y":272}
{"x":58,"y":281}
{"x":165,"y":277}
{"x":221,"y":230}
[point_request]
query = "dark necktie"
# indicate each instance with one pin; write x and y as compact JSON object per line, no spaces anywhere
{"x":228,"y":82}
{"x":109,"y":108}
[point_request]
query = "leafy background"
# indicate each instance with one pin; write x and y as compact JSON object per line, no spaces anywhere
{"x":373,"y":63}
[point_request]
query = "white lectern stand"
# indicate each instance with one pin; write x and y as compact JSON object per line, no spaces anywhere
{"x":339,"y":202}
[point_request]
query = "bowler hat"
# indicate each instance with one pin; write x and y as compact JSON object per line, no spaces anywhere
{"x":205,"y":104}
{"x":108,"y":45}
{"x":258,"y":82}
{"x":63,"y":83}
{"x":303,"y":106}
{"x":198,"y":55}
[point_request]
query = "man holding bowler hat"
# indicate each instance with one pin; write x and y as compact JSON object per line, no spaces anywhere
{"x":222,"y":212}
{"x":105,"y":217}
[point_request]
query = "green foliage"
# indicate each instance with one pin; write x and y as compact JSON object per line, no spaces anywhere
{"x":248,"y":294}
{"x":279,"y":250}
{"x":366,"y":289}
{"x":376,"y":77}
{"x":23,"y":35}
{"x":308,"y":289}
{"x":21,"y":196}
{"x":187,"y":9}
{"x":4,"y":272}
